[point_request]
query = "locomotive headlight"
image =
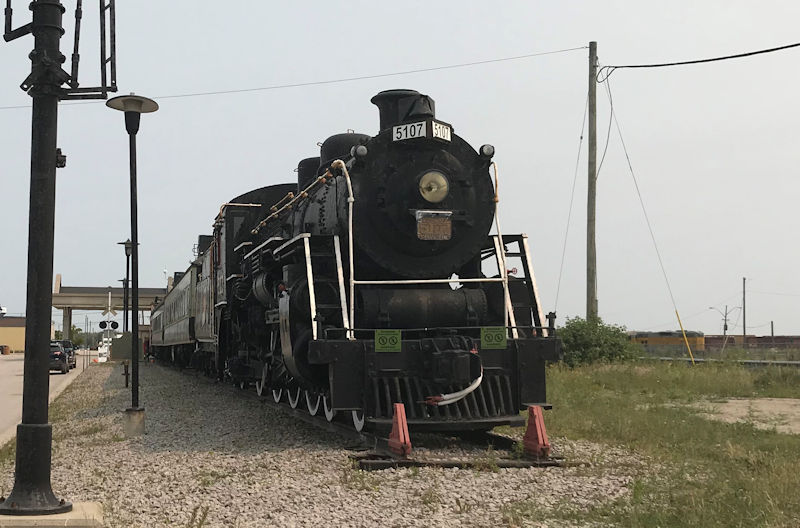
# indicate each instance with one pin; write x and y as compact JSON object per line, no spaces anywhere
{"x":433,"y":186}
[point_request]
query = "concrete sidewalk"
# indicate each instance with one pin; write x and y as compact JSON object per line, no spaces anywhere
{"x":11,"y":372}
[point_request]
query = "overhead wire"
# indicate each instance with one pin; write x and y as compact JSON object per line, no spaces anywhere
{"x":641,"y":199}
{"x":605,"y":72}
{"x":571,"y":202}
{"x":775,"y":293}
{"x":335,"y":81}
{"x":605,"y":149}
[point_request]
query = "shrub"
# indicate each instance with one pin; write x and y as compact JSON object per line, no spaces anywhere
{"x":594,"y":341}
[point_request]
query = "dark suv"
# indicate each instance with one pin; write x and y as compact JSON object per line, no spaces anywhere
{"x":58,"y":357}
{"x":69,"y":348}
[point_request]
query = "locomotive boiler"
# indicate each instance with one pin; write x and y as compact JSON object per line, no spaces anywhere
{"x":379,"y":277}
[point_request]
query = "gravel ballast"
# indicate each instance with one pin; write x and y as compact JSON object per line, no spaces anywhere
{"x":213,"y":458}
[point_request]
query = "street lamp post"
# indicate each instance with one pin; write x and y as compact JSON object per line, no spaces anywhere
{"x":724,"y":323}
{"x":134,"y":106}
{"x":128,"y":245}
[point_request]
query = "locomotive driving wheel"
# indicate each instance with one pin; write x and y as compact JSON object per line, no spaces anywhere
{"x":293,"y":394}
{"x":260,"y":384}
{"x":277,"y":395}
{"x":359,"y":420}
{"x":312,"y":402}
{"x":330,"y":412}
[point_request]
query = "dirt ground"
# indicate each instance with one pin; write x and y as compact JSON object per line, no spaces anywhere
{"x":780,"y":414}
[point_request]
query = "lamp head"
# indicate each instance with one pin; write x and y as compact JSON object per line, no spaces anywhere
{"x":132,"y":103}
{"x":128,"y":247}
{"x":133,"y":106}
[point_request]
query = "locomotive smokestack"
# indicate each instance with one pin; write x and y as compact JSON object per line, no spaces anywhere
{"x":397,"y":106}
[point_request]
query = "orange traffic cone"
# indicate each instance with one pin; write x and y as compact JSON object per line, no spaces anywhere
{"x":535,"y":441}
{"x":399,"y":440}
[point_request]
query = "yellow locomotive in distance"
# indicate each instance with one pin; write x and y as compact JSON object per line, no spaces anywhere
{"x":661,"y":342}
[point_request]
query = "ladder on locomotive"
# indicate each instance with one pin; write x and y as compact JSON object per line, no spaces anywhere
{"x":527,"y":310}
{"x":322,"y":255}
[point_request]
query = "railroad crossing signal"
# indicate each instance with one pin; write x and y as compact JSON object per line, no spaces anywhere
{"x":113,"y":325}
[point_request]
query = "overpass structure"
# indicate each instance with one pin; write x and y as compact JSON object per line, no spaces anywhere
{"x":69,"y":298}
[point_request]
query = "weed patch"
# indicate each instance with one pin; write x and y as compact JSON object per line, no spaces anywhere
{"x":357,"y":479}
{"x":710,"y":474}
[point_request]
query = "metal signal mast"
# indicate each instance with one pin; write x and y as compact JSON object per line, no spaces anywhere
{"x":32,"y":493}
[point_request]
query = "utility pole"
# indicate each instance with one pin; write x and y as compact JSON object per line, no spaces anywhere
{"x":591,"y":249}
{"x":744,"y":313}
{"x":772,"y":332}
{"x":725,"y":328}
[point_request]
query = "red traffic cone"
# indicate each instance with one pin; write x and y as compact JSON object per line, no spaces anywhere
{"x":399,"y":440}
{"x":535,"y":441}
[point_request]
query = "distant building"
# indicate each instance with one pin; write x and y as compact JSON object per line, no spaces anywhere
{"x":12,"y":333}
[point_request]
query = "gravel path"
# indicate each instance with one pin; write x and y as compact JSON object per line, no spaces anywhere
{"x":213,"y":458}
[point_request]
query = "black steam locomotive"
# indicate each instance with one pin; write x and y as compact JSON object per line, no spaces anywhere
{"x":371,"y":281}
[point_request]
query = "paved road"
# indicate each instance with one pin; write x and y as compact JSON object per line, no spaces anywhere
{"x":11,"y":391}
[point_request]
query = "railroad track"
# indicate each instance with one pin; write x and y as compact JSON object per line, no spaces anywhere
{"x":373,"y":446}
{"x":743,"y":362}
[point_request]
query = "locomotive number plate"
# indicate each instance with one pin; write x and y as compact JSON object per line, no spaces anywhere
{"x":409,"y":131}
{"x":434,"y":225}
{"x":421,"y":130}
{"x":440,"y":131}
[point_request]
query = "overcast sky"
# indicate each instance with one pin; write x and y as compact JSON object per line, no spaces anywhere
{"x":714,"y":146}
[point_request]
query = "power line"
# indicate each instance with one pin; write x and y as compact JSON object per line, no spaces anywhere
{"x":335,"y":81}
{"x":608,"y":70}
{"x":571,"y":201}
{"x":775,"y":293}
{"x":608,"y":136}
{"x":641,"y":200}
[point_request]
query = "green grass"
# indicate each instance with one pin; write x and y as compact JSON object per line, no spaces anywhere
{"x":710,"y":474}
{"x":357,"y":479}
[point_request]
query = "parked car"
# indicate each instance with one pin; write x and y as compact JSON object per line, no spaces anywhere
{"x":58,"y":357}
{"x":69,"y":348}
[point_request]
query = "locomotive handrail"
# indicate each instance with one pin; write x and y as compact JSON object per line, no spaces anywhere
{"x":350,"y":200}
{"x":277,"y":209}
{"x":500,"y":250}
{"x":428,"y":281}
{"x":326,"y":331}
